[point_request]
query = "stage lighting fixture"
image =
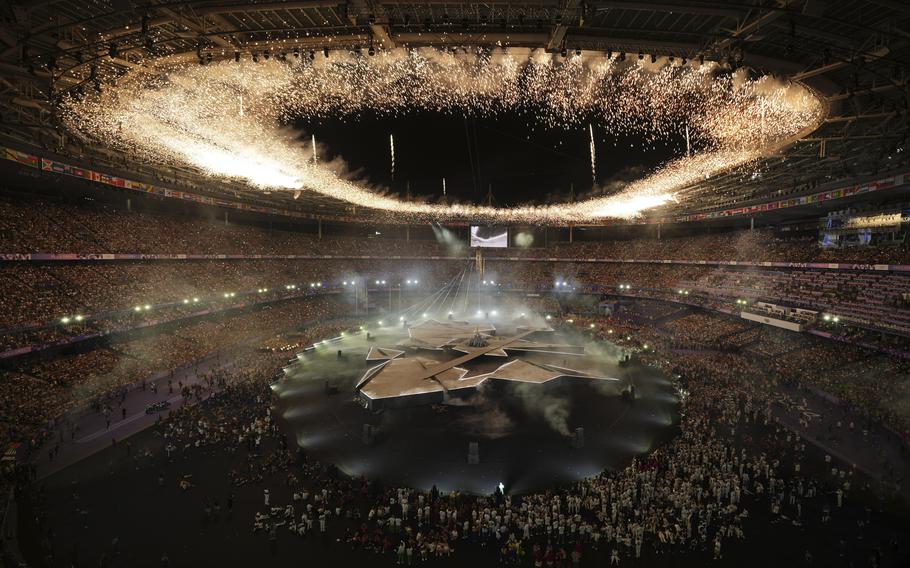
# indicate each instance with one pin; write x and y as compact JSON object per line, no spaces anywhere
{"x":325,"y":51}
{"x":577,"y":51}
{"x":255,"y":57}
{"x":653,"y":58}
{"x":266,"y":54}
{"x":672,"y":58}
{"x":701,"y":59}
{"x":65,"y":319}
{"x":609,"y":54}
{"x":371,"y":51}
{"x":564,"y":52}
{"x":236,"y":57}
{"x":297,"y":53}
{"x":641,"y":55}
{"x":683,"y":61}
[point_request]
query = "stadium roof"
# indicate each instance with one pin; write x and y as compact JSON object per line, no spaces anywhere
{"x":854,"y":53}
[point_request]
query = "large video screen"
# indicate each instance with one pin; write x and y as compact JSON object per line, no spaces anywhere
{"x":490,"y":237}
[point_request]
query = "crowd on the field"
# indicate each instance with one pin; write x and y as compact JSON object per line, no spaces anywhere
{"x":730,"y":473}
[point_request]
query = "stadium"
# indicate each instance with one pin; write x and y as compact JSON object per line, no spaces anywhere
{"x":547,"y":283}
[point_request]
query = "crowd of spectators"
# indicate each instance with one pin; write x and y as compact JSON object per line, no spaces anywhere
{"x":873,"y":384}
{"x":34,"y":392}
{"x":50,"y":227}
{"x":731,"y":474}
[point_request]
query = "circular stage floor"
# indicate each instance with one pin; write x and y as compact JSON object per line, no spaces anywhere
{"x":524,"y":431}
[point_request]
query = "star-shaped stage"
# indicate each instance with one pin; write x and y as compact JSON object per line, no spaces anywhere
{"x":404,"y":377}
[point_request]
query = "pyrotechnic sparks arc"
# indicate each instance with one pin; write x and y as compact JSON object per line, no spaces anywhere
{"x":182,"y":115}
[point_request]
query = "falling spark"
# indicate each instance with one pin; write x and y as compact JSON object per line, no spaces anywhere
{"x":443,"y":187}
{"x":593,"y":157}
{"x":315,"y":154}
{"x":688,"y":144}
{"x":392,"y":148}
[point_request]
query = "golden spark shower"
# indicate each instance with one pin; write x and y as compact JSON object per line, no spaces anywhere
{"x":181,"y":113}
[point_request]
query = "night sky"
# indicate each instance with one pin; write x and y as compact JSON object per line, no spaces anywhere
{"x":523,"y":160}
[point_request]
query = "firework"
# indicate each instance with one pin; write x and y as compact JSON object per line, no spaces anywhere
{"x":178,"y":114}
{"x":392,"y":151}
{"x":593,"y":157}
